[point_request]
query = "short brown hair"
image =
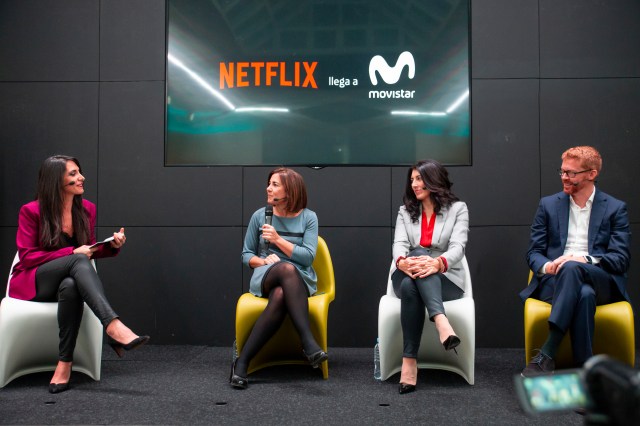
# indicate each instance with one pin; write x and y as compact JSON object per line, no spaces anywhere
{"x":294,"y":188}
{"x":588,"y":156}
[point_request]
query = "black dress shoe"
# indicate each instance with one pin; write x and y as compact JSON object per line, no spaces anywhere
{"x":539,"y":365}
{"x":451,"y":342}
{"x":236,"y":381}
{"x":316,"y":358}
{"x":119,"y":348}
{"x":404,"y":388}
{"x":58,"y":387}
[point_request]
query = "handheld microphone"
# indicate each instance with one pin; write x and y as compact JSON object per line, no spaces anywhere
{"x":268,"y":215}
{"x":264,"y":244}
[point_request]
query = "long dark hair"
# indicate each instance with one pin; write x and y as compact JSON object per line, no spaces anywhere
{"x":51,"y":201}
{"x":436,"y":179}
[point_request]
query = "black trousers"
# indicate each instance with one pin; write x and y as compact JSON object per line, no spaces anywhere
{"x":415,"y":295}
{"x":574,"y":292}
{"x":71,"y":281}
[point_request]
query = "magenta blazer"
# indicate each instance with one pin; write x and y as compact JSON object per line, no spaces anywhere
{"x":31,"y":255}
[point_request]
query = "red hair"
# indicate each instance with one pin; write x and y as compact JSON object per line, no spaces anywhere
{"x":588,"y":156}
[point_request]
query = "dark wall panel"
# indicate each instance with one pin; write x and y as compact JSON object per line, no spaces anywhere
{"x":179,"y":284}
{"x":361,"y":258}
{"x":38,"y":120}
{"x":135,"y":188}
{"x":7,"y":252}
{"x":132,"y":40}
{"x":502,"y":187}
{"x":496,"y":257}
{"x":504,"y":39}
{"x":351,"y":196}
{"x":598,"y":112}
{"x":589,"y":38}
{"x":42,"y":41}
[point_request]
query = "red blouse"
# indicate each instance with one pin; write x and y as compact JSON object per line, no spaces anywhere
{"x":426,"y":237}
{"x":426,"y":234}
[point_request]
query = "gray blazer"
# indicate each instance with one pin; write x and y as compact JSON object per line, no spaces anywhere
{"x":449,"y":238}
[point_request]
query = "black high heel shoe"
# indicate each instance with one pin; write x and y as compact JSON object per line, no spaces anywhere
{"x":316,"y":358}
{"x":236,"y":381}
{"x":119,"y":348}
{"x":58,"y":387}
{"x":411,"y":373}
{"x":404,"y":388}
{"x":451,"y":342}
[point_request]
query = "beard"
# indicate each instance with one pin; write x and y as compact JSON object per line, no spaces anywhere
{"x":570,"y":190}
{"x":574,"y":187}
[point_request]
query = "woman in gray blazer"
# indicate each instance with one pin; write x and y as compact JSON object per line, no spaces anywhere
{"x":430,"y":238}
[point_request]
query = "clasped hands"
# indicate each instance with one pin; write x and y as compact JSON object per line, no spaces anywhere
{"x":553,"y":267}
{"x":118,"y":241}
{"x":419,"y":266}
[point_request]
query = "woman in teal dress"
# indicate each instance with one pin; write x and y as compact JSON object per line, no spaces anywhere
{"x":281,"y":255}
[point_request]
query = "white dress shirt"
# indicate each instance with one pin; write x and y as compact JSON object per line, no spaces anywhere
{"x":578,"y":232}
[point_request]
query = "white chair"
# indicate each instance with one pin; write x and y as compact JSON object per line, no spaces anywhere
{"x":461,"y":315}
{"x":29,"y":339}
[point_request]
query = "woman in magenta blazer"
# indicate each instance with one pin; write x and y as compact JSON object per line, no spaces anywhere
{"x":54,"y":239}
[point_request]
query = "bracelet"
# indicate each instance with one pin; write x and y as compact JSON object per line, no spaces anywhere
{"x":444,"y":265}
{"x":398,"y":261}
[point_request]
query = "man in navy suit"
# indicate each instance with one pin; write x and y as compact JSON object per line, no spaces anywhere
{"x":579,"y":252}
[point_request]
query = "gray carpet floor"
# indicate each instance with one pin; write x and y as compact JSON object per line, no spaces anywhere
{"x":189,"y":385}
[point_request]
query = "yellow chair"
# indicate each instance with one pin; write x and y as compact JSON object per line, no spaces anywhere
{"x":613,"y":335}
{"x":285,"y":346}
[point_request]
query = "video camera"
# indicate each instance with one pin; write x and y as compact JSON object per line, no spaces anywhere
{"x":607,"y":390}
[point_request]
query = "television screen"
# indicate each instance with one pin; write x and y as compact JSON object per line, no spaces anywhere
{"x":317,"y":83}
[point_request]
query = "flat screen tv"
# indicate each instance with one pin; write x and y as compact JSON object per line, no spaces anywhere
{"x":317,"y":83}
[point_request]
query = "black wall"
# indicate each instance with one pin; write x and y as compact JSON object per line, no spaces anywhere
{"x":86,"y":78}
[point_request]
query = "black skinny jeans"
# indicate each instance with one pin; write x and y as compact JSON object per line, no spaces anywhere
{"x":71,"y":281}
{"x":415,"y":295}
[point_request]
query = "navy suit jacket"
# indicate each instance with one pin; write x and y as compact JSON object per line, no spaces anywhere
{"x":608,"y":237}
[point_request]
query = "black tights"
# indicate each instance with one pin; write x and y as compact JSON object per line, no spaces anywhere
{"x":287,"y":294}
{"x":71,"y":281}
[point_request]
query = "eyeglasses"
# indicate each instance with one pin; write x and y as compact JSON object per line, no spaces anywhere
{"x":570,"y":173}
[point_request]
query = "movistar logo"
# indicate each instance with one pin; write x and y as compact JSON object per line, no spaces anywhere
{"x":391,"y":75}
